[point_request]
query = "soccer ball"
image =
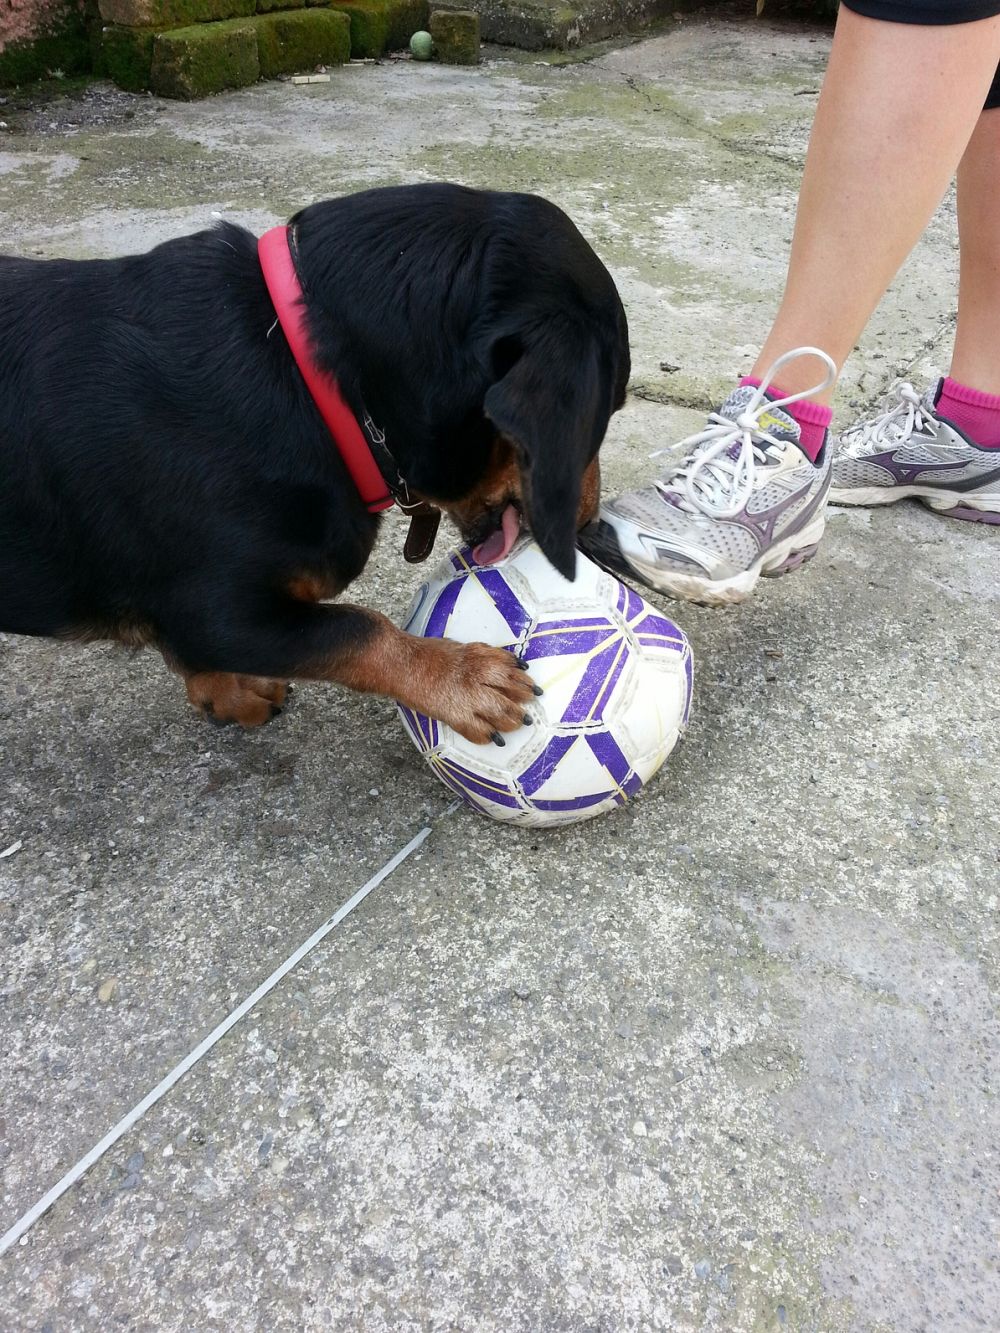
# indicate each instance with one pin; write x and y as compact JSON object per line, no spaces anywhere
{"x":616,"y":676}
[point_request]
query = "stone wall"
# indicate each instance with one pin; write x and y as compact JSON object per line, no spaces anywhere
{"x":37,"y":36}
{"x":25,"y":20}
{"x":189,"y":48}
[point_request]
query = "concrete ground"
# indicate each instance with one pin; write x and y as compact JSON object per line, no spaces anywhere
{"x":726,"y":1060}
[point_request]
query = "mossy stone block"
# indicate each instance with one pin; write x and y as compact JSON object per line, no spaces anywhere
{"x":127,"y":56}
{"x":382,"y":25}
{"x":206,"y":58}
{"x":369,"y":26}
{"x":269,"y":6}
{"x":300,"y":39}
{"x":172,"y":13}
{"x":456,"y":36}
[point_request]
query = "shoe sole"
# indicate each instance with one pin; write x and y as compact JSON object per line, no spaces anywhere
{"x":952,"y":504}
{"x":602,"y":545}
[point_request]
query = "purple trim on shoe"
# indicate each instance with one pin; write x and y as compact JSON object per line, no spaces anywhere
{"x":970,"y":515}
{"x":793,"y":561}
{"x":762,"y":523}
{"x":909,"y":474}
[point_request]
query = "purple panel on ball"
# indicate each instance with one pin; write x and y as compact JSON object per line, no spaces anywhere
{"x":538,"y":773}
{"x":657,"y":630}
{"x":423,"y":729}
{"x":468,"y":783}
{"x":505,"y":600}
{"x":443,"y":607}
{"x":579,"y":802}
{"x":599,"y":679}
{"x":634,"y":605}
{"x":450,"y":782}
{"x":609,"y":685}
{"x":608,"y":751}
{"x":689,"y":676}
{"x":411,"y":724}
{"x":564,"y":638}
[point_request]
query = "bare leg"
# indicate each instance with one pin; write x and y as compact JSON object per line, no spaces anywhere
{"x":976,"y":359}
{"x":899,"y":105}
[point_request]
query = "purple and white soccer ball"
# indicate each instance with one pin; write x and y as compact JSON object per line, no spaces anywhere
{"x":616,"y":676}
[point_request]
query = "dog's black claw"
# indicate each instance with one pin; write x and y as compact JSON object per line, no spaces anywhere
{"x":276,"y":710}
{"x":528,"y":720}
{"x":521,"y":663}
{"x":538,"y":689}
{"x":497,"y":739}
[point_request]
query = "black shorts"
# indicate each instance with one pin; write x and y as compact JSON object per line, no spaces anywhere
{"x":933,"y":12}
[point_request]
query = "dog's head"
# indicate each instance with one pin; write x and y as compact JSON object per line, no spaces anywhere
{"x":486,"y":338}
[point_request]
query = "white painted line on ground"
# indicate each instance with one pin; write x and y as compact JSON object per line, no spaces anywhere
{"x":25,"y":1223}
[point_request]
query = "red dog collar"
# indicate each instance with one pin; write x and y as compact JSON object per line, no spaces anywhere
{"x":286,"y":293}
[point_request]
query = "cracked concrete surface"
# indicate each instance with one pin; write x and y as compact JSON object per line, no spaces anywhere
{"x":725,"y":1060}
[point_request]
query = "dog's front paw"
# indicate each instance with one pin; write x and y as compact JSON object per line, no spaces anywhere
{"x":477,"y":690}
{"x":248,"y":700}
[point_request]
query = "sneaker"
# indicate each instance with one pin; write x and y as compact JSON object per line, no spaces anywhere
{"x":744,"y":502}
{"x":910,"y":451}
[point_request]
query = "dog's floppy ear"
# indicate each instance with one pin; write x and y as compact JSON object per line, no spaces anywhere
{"x":553,"y":404}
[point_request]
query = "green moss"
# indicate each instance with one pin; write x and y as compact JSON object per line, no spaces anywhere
{"x":381,"y":25}
{"x":369,"y":26}
{"x":301,"y":39}
{"x":456,"y":36}
{"x":196,"y":61}
{"x":173,"y":13}
{"x":65,"y":48}
{"x":127,"y":56}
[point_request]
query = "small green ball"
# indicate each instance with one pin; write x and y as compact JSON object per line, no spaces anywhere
{"x":421,"y":46}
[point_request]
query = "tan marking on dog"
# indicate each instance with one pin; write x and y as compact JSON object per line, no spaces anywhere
{"x":590,"y":494}
{"x":472,"y":687}
{"x":502,"y":483}
{"x":249,"y":700}
{"x":309,"y":587}
{"x":130,"y":633}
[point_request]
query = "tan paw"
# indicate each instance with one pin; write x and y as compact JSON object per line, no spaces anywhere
{"x":479,"y":691}
{"x":248,"y":700}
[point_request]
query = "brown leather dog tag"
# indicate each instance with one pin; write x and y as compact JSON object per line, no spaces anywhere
{"x":424,"y":522}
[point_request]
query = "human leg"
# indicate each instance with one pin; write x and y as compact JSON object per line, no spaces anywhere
{"x":898,"y":107}
{"x":897,"y":110}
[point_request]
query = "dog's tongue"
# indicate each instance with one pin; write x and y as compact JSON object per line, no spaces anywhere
{"x":498,"y":544}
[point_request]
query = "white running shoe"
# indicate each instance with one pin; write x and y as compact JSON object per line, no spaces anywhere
{"x":910,"y":451}
{"x":744,"y":502}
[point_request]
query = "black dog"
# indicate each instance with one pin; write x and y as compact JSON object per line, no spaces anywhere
{"x":166,"y":478}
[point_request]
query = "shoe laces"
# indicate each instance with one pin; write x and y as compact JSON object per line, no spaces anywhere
{"x":893,"y":427}
{"x":717,"y":475}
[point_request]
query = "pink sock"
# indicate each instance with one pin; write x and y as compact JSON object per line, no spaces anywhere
{"x":976,"y":414}
{"x":812,"y":418}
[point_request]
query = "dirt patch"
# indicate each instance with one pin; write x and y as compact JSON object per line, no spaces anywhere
{"x":62,"y":107}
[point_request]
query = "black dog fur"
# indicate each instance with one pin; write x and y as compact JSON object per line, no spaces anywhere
{"x":166,"y":477}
